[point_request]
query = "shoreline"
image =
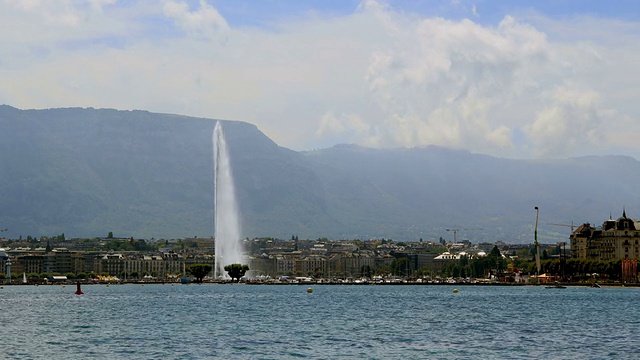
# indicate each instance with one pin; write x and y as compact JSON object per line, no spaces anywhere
{"x":324,"y":283}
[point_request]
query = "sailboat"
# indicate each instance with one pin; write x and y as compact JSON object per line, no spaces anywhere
{"x":24,"y":277}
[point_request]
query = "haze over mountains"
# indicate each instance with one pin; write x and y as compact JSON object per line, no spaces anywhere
{"x":86,"y":172}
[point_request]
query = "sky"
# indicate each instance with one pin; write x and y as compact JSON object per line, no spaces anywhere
{"x":515,"y":79}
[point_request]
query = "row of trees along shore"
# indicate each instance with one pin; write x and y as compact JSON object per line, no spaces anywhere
{"x":574,"y":269}
{"x":198,"y":271}
{"x":235,"y":271}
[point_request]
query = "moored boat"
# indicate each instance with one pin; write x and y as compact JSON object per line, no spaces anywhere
{"x":557,"y":285}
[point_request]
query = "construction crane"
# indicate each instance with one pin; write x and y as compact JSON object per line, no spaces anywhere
{"x":567,"y":225}
{"x":455,"y":233}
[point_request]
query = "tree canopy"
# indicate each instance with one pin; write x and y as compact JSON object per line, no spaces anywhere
{"x":236,"y":271}
{"x":401,"y":266}
{"x":199,"y":271}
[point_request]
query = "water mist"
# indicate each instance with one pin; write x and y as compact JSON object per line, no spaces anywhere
{"x":228,"y":248}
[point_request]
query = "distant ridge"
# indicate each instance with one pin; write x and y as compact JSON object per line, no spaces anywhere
{"x":85,"y":172}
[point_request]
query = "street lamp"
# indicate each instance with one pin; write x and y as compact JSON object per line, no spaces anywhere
{"x":8,"y":270}
{"x":537,"y":247}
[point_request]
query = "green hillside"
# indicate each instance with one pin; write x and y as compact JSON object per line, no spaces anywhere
{"x":86,"y":172}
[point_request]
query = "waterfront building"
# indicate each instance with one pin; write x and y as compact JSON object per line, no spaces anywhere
{"x":383,"y":259}
{"x":173,"y":263}
{"x":350,"y":264}
{"x":142,"y":264}
{"x":4,"y":258}
{"x":58,"y":260}
{"x":616,"y":239}
{"x":285,"y":264}
{"x":31,"y":264}
{"x":153,"y":265}
{"x":263,"y":265}
{"x":425,"y":260}
{"x":110,"y":264}
{"x":440,"y":260}
{"x":312,"y":265}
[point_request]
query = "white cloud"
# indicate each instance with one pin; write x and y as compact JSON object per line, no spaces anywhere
{"x":59,"y":12}
{"x":451,"y":85}
{"x":206,"y":21}
{"x":376,"y":77}
{"x":48,"y":25}
{"x":573,"y":118}
{"x":348,"y":128}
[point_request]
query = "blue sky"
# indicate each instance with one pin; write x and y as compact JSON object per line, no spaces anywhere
{"x":521,"y":79}
{"x":263,"y":13}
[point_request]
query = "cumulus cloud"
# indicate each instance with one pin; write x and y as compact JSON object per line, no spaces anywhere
{"x":205,"y":21}
{"x":572,"y":119}
{"x":376,"y":77}
{"x":451,"y":85}
{"x":351,"y":128}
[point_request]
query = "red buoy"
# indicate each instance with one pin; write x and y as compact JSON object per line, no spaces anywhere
{"x":78,"y":291}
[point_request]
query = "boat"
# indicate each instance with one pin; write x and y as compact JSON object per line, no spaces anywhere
{"x":595,"y":285}
{"x":555,"y":286}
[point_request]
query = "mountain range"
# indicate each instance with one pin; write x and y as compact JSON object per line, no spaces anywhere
{"x":85,"y":172}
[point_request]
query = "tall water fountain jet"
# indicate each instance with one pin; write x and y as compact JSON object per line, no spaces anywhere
{"x":228,"y":248}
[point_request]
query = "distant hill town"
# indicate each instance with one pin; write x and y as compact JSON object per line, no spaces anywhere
{"x":85,"y":172}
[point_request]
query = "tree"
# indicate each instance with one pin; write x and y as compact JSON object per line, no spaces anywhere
{"x":110,"y":235}
{"x":236,"y":271}
{"x":496,"y":260}
{"x":33,"y":276}
{"x":382,"y":270}
{"x":495,"y":252}
{"x":545,"y":254}
{"x":401,"y":266}
{"x":365,"y":271}
{"x":199,"y":271}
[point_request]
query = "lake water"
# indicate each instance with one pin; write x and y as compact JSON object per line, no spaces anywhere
{"x":279,"y":322}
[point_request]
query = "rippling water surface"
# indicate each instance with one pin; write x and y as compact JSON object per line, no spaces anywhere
{"x":359,"y":322}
